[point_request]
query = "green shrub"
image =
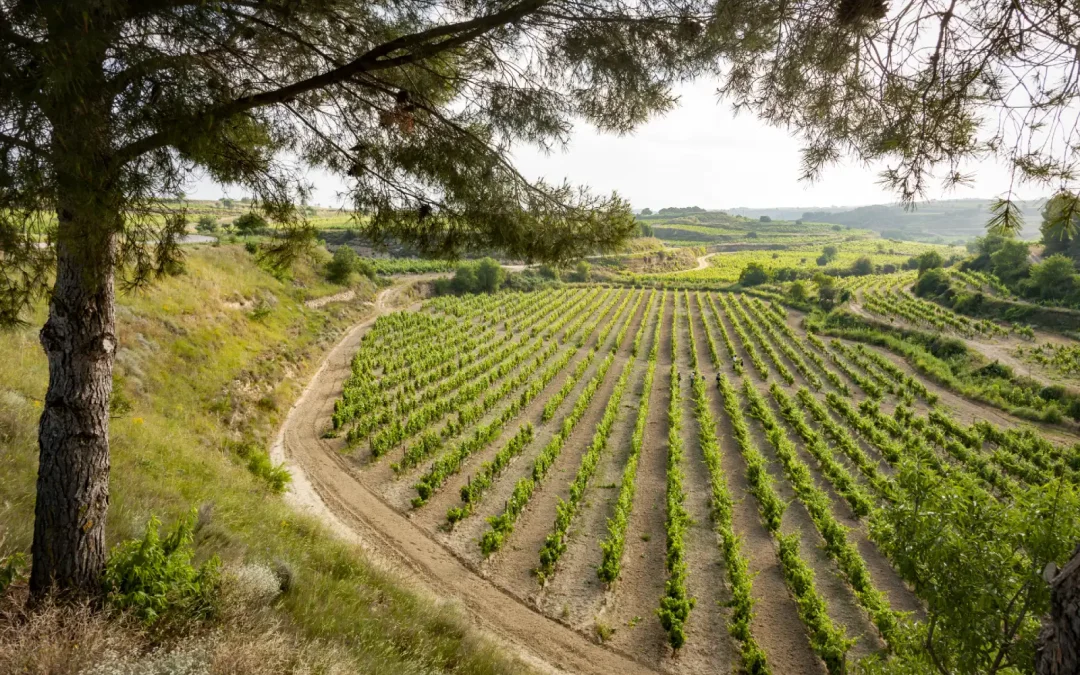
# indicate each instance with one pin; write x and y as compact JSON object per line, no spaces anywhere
{"x":549,"y":272}
{"x":207,"y":225}
{"x":464,"y":280}
{"x":249,"y":223}
{"x":753,"y":275}
{"x":929,"y":260}
{"x":862,"y":266}
{"x":277,"y":477}
{"x":251,"y":247}
{"x":366,"y":268}
{"x":995,"y":369}
{"x":11,"y":568}
{"x":797,"y":291}
{"x":154,"y":579}
{"x":932,"y":282}
{"x":1053,"y":278}
{"x":342,"y":266}
{"x":489,"y":275}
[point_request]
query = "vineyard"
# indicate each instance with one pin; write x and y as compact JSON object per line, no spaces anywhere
{"x":887,"y":295}
{"x":694,"y":480}
{"x":801,"y":253}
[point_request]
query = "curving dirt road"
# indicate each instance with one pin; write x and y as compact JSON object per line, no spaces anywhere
{"x":703,"y":261}
{"x":325,"y":485}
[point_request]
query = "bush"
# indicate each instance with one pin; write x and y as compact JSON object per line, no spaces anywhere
{"x":581,"y":271}
{"x":1010,"y":261}
{"x":251,"y":247}
{"x":797,"y":291}
{"x":464,"y":280}
{"x":1053,"y":278}
{"x":1053,"y":392}
{"x":207,"y":225}
{"x":862,"y":266}
{"x":932,"y":282}
{"x":995,"y":369}
{"x":249,"y":223}
{"x":929,"y":260}
{"x":946,"y":348}
{"x":969,"y":303}
{"x":550,"y":271}
{"x":753,"y":275}
{"x":154,"y":578}
{"x":277,"y":477}
{"x":489,"y":275}
{"x":342,"y":266}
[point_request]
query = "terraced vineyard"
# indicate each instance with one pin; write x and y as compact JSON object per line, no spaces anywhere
{"x":888,"y":296}
{"x":695,"y":481}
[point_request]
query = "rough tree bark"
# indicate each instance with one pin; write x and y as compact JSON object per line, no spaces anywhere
{"x":1058,"y":650}
{"x":73,"y":473}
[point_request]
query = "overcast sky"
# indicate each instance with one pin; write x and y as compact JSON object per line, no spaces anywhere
{"x":699,"y":154}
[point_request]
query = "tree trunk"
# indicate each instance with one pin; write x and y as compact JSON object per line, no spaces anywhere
{"x":1058,"y":648}
{"x":73,"y":435}
{"x":79,"y":336}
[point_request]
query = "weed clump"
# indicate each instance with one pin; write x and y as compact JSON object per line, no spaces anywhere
{"x":153,"y":578}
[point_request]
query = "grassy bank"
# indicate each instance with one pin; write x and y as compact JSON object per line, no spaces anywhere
{"x":208,"y":364}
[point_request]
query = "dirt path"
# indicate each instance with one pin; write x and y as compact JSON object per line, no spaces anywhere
{"x":324,"y":485}
{"x":343,"y":296}
{"x":703,"y":261}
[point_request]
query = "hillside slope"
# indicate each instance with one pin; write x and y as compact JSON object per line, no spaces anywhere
{"x":209,"y":362}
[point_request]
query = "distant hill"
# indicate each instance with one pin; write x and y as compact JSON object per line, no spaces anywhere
{"x":949,"y":219}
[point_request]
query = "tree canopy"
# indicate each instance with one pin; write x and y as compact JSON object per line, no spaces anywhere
{"x":1061,"y":223}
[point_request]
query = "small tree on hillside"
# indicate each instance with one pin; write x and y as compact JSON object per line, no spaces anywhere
{"x":753,"y":275}
{"x":464,"y":280}
{"x":250,"y":223}
{"x":1010,"y":261}
{"x":1061,"y":224}
{"x":1054,"y":278}
{"x":582,"y":270}
{"x":929,"y":260}
{"x":863,"y":266}
{"x":207,"y":225}
{"x":342,"y":266}
{"x":489,"y":275}
{"x":797,"y":291}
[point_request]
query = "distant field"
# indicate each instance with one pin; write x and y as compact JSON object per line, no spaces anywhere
{"x":716,"y":228}
{"x":725,"y":267}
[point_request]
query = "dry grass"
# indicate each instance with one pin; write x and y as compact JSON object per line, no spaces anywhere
{"x":249,"y":639}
